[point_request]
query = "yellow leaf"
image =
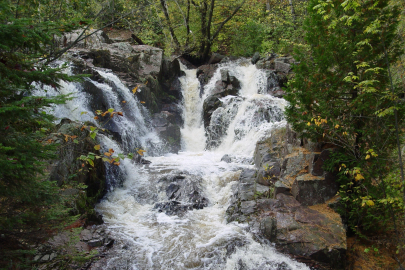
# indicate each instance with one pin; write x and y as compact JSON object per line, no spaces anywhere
{"x":337,"y":126}
{"x":97,"y":147}
{"x":140,"y":152}
{"x":124,"y":101}
{"x":117,"y":163}
{"x":370,"y":203}
{"x":368,"y":156}
{"x":107,"y":154}
{"x":143,"y":102}
{"x":359,"y":177}
{"x":308,"y":124}
{"x":134,"y":90}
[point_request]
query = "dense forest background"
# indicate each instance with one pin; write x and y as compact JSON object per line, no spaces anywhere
{"x":348,"y":90}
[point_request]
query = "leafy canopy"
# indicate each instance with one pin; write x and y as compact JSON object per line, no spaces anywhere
{"x":341,"y":94}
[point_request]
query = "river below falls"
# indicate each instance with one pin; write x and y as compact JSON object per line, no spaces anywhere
{"x":200,"y":239}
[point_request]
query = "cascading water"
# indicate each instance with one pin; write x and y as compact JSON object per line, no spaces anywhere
{"x":159,"y":224}
{"x":132,"y":130}
{"x":193,"y":138}
{"x":171,"y":214}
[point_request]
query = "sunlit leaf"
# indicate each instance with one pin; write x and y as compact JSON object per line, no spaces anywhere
{"x":370,"y":203}
{"x":135,"y":89}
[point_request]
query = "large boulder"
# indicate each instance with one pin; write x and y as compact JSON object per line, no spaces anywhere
{"x":315,"y":233}
{"x":215,"y":58}
{"x":137,"y":61}
{"x":219,"y":120}
{"x":95,"y":39}
{"x":227,"y":85}
{"x":255,"y":58}
{"x":310,"y":190}
{"x":169,"y":78}
{"x":211,"y":103}
{"x":283,"y":199}
{"x":204,"y":75}
{"x":183,"y":192}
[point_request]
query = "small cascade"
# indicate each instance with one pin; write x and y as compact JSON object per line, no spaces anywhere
{"x":133,"y":130}
{"x":192,"y":134}
{"x":243,"y":119}
{"x":126,"y":133}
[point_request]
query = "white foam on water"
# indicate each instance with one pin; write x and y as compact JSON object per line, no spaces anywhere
{"x":148,"y":239}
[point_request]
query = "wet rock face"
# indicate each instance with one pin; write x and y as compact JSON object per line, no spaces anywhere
{"x":211,"y":103}
{"x":204,"y":74}
{"x":71,"y":243}
{"x":274,"y":197}
{"x":64,"y":169}
{"x":181,"y":192}
{"x":277,"y":70}
{"x":139,"y":66}
{"x":165,"y":123}
{"x":303,"y":231}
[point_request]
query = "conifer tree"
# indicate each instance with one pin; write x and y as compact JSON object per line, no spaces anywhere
{"x":25,"y":45}
{"x":341,"y":92}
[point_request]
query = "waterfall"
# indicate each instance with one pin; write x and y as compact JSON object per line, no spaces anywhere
{"x":192,"y":134}
{"x":152,"y":232}
{"x":148,"y":236}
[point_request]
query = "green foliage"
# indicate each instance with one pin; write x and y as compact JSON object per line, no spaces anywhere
{"x":25,"y":45}
{"x":248,"y":39}
{"x":367,"y":201}
{"x":284,"y":26}
{"x":341,"y":94}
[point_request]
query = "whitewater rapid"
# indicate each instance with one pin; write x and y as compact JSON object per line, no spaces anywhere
{"x":201,"y":238}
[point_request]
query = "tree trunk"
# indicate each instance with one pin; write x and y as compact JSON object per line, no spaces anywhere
{"x":203,"y":16}
{"x":292,"y":11}
{"x":188,"y":23}
{"x":176,"y":42}
{"x":208,"y":45}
